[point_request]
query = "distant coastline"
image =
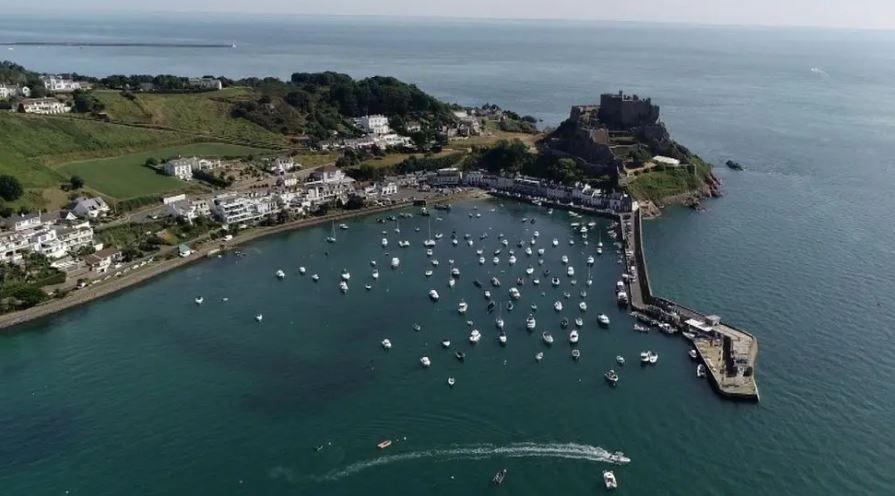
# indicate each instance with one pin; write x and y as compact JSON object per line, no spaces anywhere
{"x":114,"y":44}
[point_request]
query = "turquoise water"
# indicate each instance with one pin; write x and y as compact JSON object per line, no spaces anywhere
{"x":144,"y":393}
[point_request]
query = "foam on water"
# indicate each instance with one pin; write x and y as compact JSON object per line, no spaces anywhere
{"x":571,"y":451}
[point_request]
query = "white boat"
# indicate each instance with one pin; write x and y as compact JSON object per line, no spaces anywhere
{"x":479,"y":252}
{"x":536,"y":281}
{"x":515,"y":294}
{"x":454,"y":241}
{"x":332,"y":237}
{"x":302,"y":270}
{"x":622,"y":298}
{"x":539,"y":356}
{"x":475,"y":336}
{"x":576,"y":353}
{"x":315,"y":277}
{"x":653,"y":358}
{"x":512,"y":259}
{"x":571,"y":242}
{"x":451,"y":282}
{"x":259,"y":317}
{"x":384,"y":242}
{"x":451,"y":381}
{"x":590,"y":260}
{"x":530,"y":323}
{"x":462,"y":307}
{"x":495,"y":281}
{"x":446,"y":343}
{"x":570,"y":271}
{"x":620,"y":359}
{"x":429,"y":273}
{"x":481,"y":260}
{"x":528,"y":251}
{"x":540,"y":251}
{"x":579,"y":322}
{"x":395,"y":262}
{"x":499,"y":323}
{"x":644,"y":356}
{"x":280,"y":274}
{"x":368,"y":286}
{"x":469,"y":242}
{"x":495,"y":260}
{"x":536,"y":234}
{"x":199,"y":300}
{"x":603,"y":319}
{"x":487,"y":294}
{"x":502,"y":339}
{"x":386,"y":344}
{"x":700,"y":370}
{"x":582,"y":306}
{"x":343,"y":226}
{"x":692,"y":353}
{"x":433,"y":295}
{"x":346,"y":275}
{"x":555,"y":242}
{"x":547,"y":337}
{"x":434,"y":262}
{"x":599,"y":251}
{"x":530,"y":270}
{"x":609,"y":479}
{"x":425,"y":362}
{"x":557,"y":305}
{"x":504,"y":242}
{"x":555,"y":282}
{"x":564,"y":259}
{"x":343,"y":286}
{"x":455,"y":272}
{"x":573,"y":337}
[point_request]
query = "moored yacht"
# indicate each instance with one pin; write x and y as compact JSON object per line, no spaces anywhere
{"x":425,"y":362}
{"x":539,"y":356}
{"x":475,"y":336}
{"x":564,"y":259}
{"x":700,"y":370}
{"x":446,"y":343}
{"x":547,"y":338}
{"x":280,"y":274}
{"x":502,"y":338}
{"x":302,"y":270}
{"x":582,"y":306}
{"x":343,"y":286}
{"x":433,"y":295}
{"x":514,"y":293}
{"x":603,"y":320}
{"x":530,"y":323}
{"x":387,"y":344}
{"x":611,"y":377}
{"x":557,"y":305}
{"x":395,"y":262}
{"x":570,"y":271}
{"x":644,"y":356}
{"x":555,"y":242}
{"x":573,"y":337}
{"x":199,"y":300}
{"x":462,"y":307}
{"x":576,"y":353}
{"x":620,"y":359}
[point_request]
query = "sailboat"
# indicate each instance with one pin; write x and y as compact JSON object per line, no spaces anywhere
{"x":429,"y":242}
{"x":332,"y":237}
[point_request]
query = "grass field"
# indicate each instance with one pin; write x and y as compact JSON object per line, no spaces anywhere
{"x":658,"y":184}
{"x":125,"y":176}
{"x":200,"y":114}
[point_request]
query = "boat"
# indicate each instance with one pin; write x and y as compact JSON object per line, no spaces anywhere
{"x":539,"y":356}
{"x":528,"y":251}
{"x":582,"y":306}
{"x":512,"y":260}
{"x":510,"y":306}
{"x":499,"y":323}
{"x":555,"y":242}
{"x":495,"y":282}
{"x":346,"y":275}
{"x":579,"y":322}
{"x":557,"y":306}
{"x":571,"y":242}
{"x":618,"y":457}
{"x":487,"y":294}
{"x":491,"y":306}
{"x":653,"y":358}
{"x":332,"y":237}
{"x":481,"y":260}
{"x":564,"y":323}
{"x":692,"y":353}
{"x":302,"y":270}
{"x":434,"y":262}
{"x":460,"y":355}
{"x":259,"y":317}
{"x":622,"y":298}
{"x":452,"y":282}
{"x":199,"y":300}
{"x":343,"y":286}
{"x":368,"y":286}
{"x":564,"y":259}
{"x":375,"y":274}
{"x":315,"y":277}
{"x":641,"y":328}
{"x":603,"y":320}
{"x":451,"y":381}
{"x":600,"y":243}
{"x":576,"y":354}
{"x":530,"y":323}
{"x":566,"y":295}
{"x":428,"y":273}
{"x":515,"y":294}
{"x":620,"y":359}
{"x":417,"y":327}
{"x":386,"y":344}
{"x":536,"y":281}
{"x":734,"y":165}
{"x":280,"y":274}
{"x":495,"y":260}
{"x":433,"y":295}
{"x":700,"y":370}
{"x":611,"y":377}
{"x":573,"y":337}
{"x":395,"y":262}
{"x":502,"y":338}
{"x":541,"y":251}
{"x":384,"y":444}
{"x":609,"y":479}
{"x":425,"y":362}
{"x":462,"y":307}
{"x":534,"y":307}
{"x":547,"y":337}
{"x":530,"y":270}
{"x":455,"y":272}
{"x":499,"y":477}
{"x":475,"y":336}
{"x":570,"y":271}
{"x":644,"y":356}
{"x":454,"y":242}
{"x":384,"y":242}
{"x":555,"y":282}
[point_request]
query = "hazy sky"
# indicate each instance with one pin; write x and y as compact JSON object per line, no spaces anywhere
{"x":833,"y":13}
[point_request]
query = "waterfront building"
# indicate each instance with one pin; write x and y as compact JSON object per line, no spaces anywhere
{"x":235,"y":208}
{"x":90,"y":208}
{"x":189,"y":210}
{"x":448,"y":176}
{"x":44,"y":106}
{"x":102,"y":260}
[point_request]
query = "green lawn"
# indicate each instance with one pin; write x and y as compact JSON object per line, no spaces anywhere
{"x":126,"y":177}
{"x":663,"y":183}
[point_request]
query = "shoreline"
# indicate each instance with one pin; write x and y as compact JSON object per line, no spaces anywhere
{"x":11,"y":321}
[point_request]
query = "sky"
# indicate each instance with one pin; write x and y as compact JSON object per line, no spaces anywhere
{"x":862,"y":14}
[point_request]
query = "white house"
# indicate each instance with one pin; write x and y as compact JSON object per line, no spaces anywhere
{"x":27,"y":221}
{"x":12,"y":245}
{"x":190,"y":210}
{"x":449,"y":176}
{"x":89,"y":208}
{"x":206,"y":83}
{"x":661,"y":159}
{"x":181,"y":168}
{"x":45,"y":106}
{"x":60,"y":84}
{"x":103,"y":259}
{"x":280,"y":165}
{"x":75,"y":236}
{"x":233,"y":208}
{"x":373,"y":124}
{"x":392,"y":140}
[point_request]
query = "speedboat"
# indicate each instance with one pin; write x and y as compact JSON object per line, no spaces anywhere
{"x":499,"y":323}
{"x":609,"y":479}
{"x":343,"y":226}
{"x":315,"y":277}
{"x":475,"y":336}
{"x":395,"y":262}
{"x":611,"y":377}
{"x":582,"y":306}
{"x":487,"y":294}
{"x":579,"y":322}
{"x":384,"y":444}
{"x":460,"y":355}
{"x":495,"y":282}
{"x":557,"y":306}
{"x":280,"y":274}
{"x":302,"y":270}
{"x":446,"y":343}
{"x":644,"y":356}
{"x":502,"y":338}
{"x":462,"y":307}
{"x":375,"y":274}
{"x":514,"y":293}
{"x":570,"y":271}
{"x":539,"y":356}
{"x":576,"y":354}
{"x":428,"y":273}
{"x":564,"y":259}
{"x":199,"y":300}
{"x":425,"y":362}
{"x":573,"y":337}
{"x":343,"y":286}
{"x":603,"y":320}
{"x":346,"y":275}
{"x":653,"y":358}
{"x":433,"y":295}
{"x":451,"y":381}
{"x":547,"y":337}
{"x":259,"y":317}
{"x":530,"y":323}
{"x":386,"y":344}
{"x":700,"y":370}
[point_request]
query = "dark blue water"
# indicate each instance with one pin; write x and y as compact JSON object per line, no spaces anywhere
{"x":798,"y":252}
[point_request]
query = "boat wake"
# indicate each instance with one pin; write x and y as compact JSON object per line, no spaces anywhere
{"x":571,"y":451}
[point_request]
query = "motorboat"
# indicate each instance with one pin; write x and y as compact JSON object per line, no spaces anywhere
{"x":582,"y":306}
{"x":539,"y":356}
{"x":460,"y":355}
{"x":515,"y":294}
{"x":579,"y":322}
{"x":455,"y":272}
{"x":534,"y":307}
{"x":555,"y":282}
{"x":434,"y":262}
{"x":555,"y":242}
{"x":495,"y":260}
{"x":499,"y":323}
{"x":530,"y":323}
{"x":570,"y":271}
{"x":528,"y":251}
{"x":495,"y":282}
{"x":700,"y":370}
{"x":387,"y":344}
{"x":547,"y":337}
{"x":315,"y":277}
{"x":416,"y":327}
{"x":475,"y":336}
{"x":280,"y":274}
{"x":530,"y":270}
{"x":557,"y":305}
{"x":541,"y":251}
{"x":384,"y":242}
{"x":603,"y":320}
{"x":368,"y":286}
{"x":259,"y":317}
{"x":452,"y":282}
{"x":451,"y":381}
{"x":536,"y":281}
{"x":609,"y":480}
{"x":375,"y":274}
{"x":566,"y":295}
{"x":692,"y":353}
{"x":302,"y":270}
{"x":487,"y":294}
{"x":446,"y":343}
{"x":611,"y":377}
{"x":573,"y":337}
{"x":510,"y":306}
{"x":564,"y":259}
{"x":653,"y":358}
{"x":454,"y":242}
{"x":481,"y":260}
{"x":462,"y":307}
{"x":343,"y":286}
{"x":384,"y":444}
{"x":491,"y":306}
{"x":428,"y":273}
{"x":433,"y":295}
{"x":620,"y":359}
{"x":576,"y":353}
{"x":502,"y":338}
{"x":395,"y":262}
{"x":425,"y":362}
{"x":199,"y":300}
{"x":644,"y":356}
{"x":512,"y":260}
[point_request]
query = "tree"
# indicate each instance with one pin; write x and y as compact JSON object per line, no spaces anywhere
{"x":76,"y":182}
{"x":10,"y":188}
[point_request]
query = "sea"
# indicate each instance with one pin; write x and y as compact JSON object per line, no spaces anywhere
{"x":145,"y":392}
